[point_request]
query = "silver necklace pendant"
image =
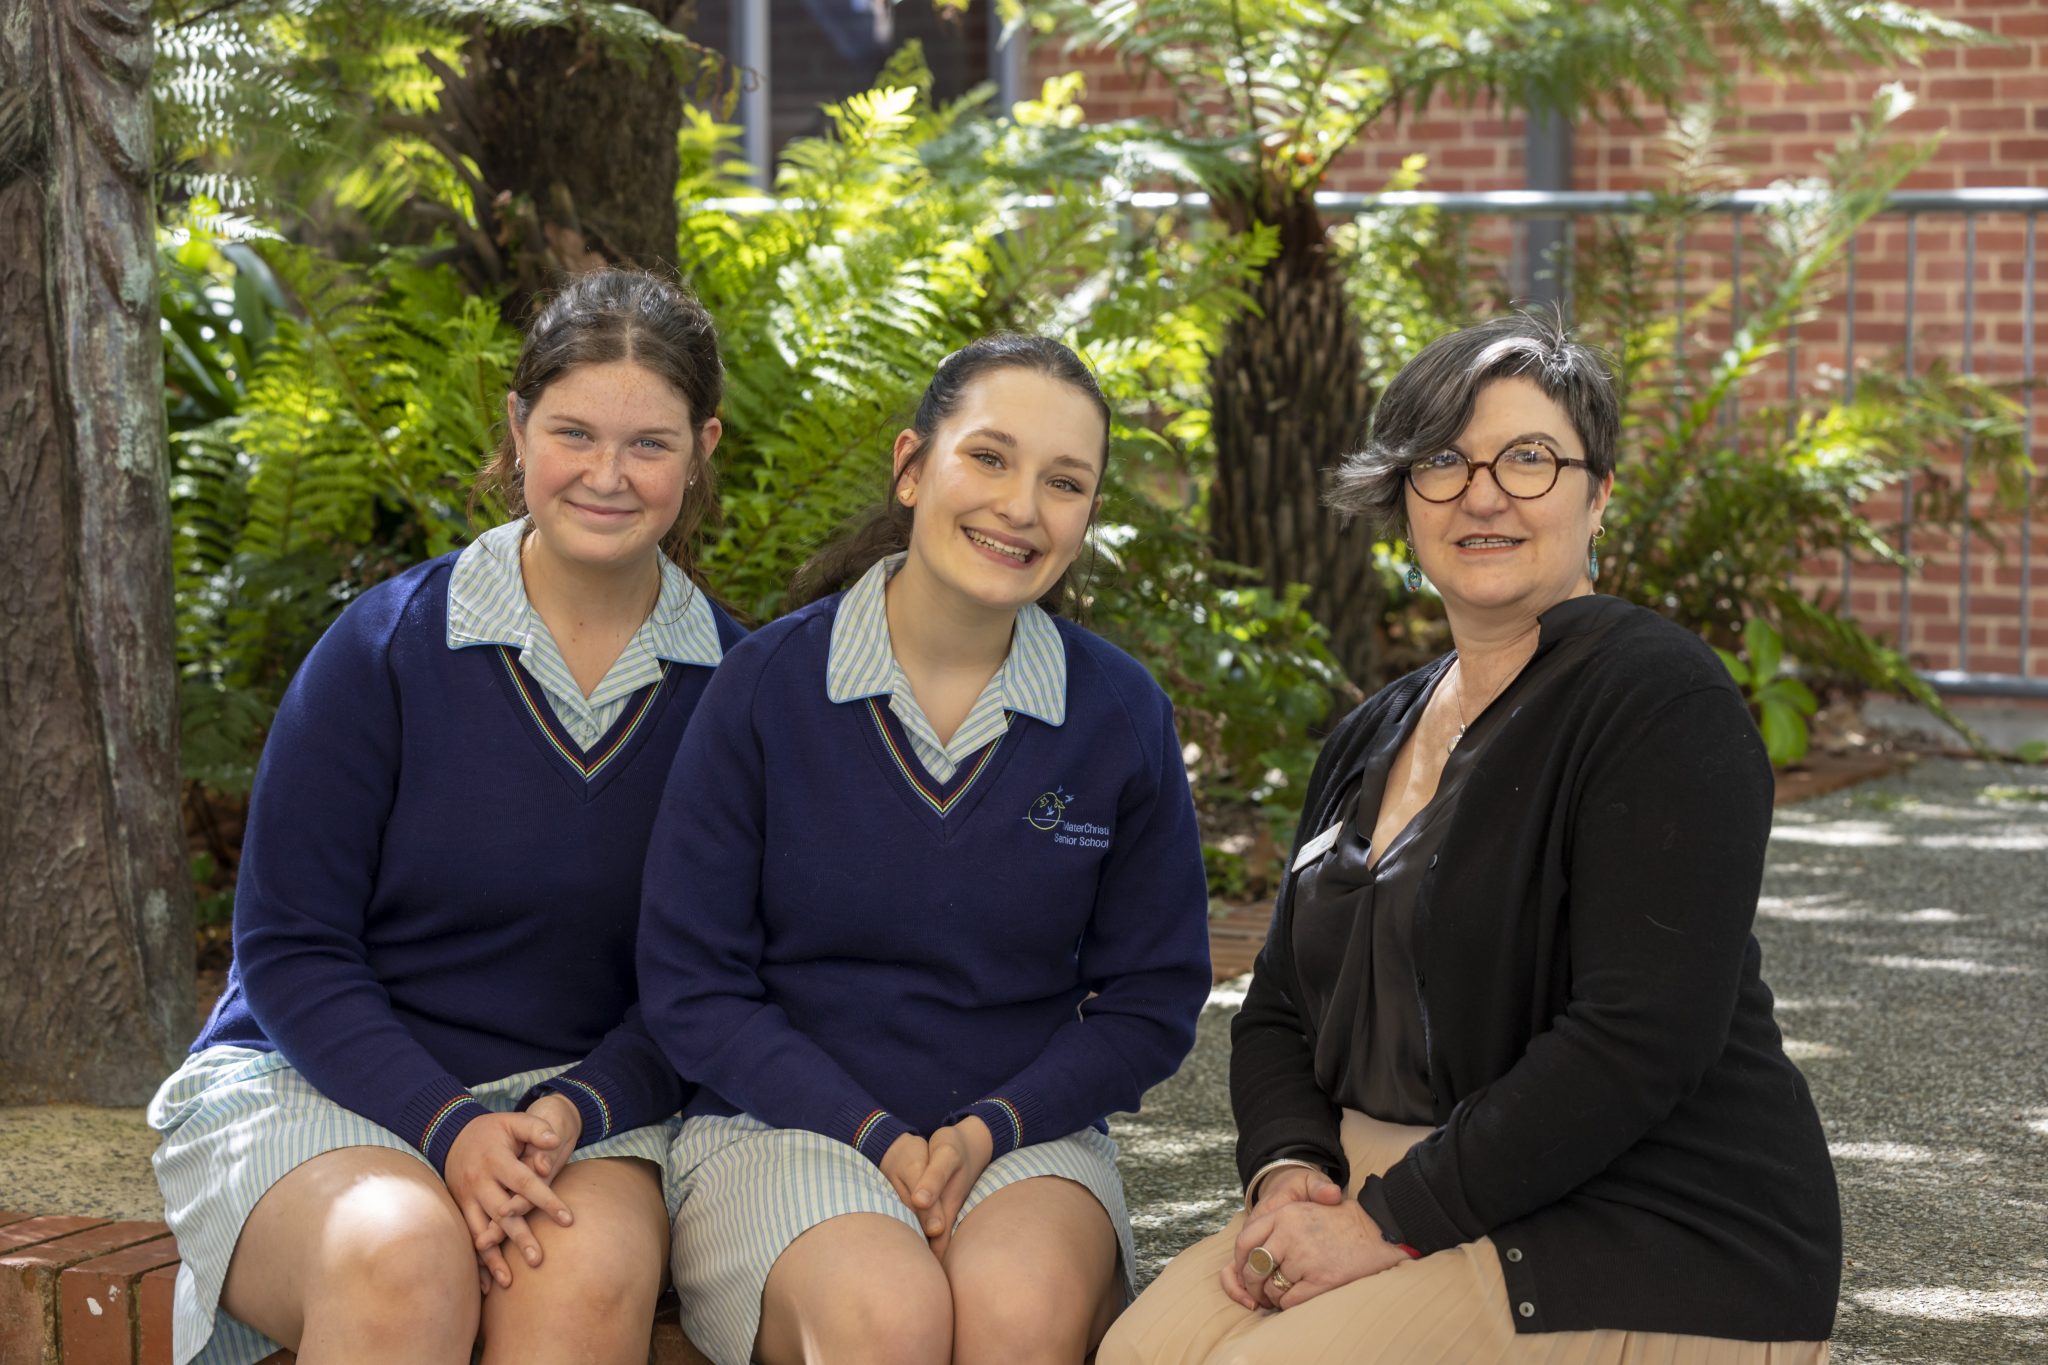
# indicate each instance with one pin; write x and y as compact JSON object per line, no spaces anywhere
{"x":1452,"y":746}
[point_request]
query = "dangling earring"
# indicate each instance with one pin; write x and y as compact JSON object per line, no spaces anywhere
{"x":1414,"y":577}
{"x":1593,"y":553}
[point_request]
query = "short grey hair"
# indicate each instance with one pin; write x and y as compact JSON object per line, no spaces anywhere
{"x":1430,"y":403}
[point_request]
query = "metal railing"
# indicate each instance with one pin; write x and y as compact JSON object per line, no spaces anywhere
{"x":1568,"y":206}
{"x":1912,"y":206}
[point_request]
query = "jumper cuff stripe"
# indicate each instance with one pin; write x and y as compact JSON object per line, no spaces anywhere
{"x":590,"y":1103}
{"x":603,"y":1108}
{"x":877,"y":1133}
{"x":1004,"y":1122}
{"x":444,"y":1126}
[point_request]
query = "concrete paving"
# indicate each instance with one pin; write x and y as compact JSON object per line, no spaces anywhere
{"x":1905,"y":931}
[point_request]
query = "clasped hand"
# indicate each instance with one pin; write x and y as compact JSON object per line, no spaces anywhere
{"x":1319,"y":1239}
{"x":932,"y":1176}
{"x":501,"y":1168}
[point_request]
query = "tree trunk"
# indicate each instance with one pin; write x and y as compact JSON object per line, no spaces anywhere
{"x":96,"y":954}
{"x":574,"y":144}
{"x":1289,"y":401}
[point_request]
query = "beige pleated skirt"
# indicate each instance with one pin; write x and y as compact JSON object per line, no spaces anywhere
{"x":1447,"y":1309}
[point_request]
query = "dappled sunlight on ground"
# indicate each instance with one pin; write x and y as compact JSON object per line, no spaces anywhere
{"x":1904,"y":926}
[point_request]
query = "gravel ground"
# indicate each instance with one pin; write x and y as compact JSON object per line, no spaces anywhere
{"x":1905,"y":930}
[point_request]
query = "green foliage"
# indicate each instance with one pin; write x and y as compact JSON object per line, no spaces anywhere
{"x":297,"y":108}
{"x":1299,"y":80}
{"x":215,"y":903}
{"x":909,"y":231}
{"x":327,"y":417}
{"x":1780,"y":702}
{"x":2009,"y":793}
{"x":1724,"y":502}
{"x":896,"y":240}
{"x":307,"y":463}
{"x":2033,"y":751}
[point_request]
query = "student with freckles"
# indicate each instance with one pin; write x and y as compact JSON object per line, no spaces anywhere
{"x":924,"y":904}
{"x":429,"y":1031}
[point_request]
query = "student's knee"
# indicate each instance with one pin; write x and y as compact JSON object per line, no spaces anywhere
{"x":856,"y":1291}
{"x":396,"y":1258}
{"x":596,"y":1280}
{"x":868,"y":1327}
{"x":1013,"y":1312}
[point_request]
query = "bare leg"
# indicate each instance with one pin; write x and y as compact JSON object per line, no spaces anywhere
{"x":1033,"y":1271}
{"x":592,"y":1296}
{"x":357,"y":1255}
{"x":859,"y":1289}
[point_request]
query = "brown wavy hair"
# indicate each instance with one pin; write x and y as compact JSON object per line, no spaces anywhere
{"x":620,"y":314}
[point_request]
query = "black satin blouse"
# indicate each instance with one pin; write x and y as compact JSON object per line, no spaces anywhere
{"x":1354,"y":928}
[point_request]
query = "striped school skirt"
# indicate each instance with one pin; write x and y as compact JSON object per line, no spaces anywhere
{"x":740,"y":1192}
{"x":235,"y":1122}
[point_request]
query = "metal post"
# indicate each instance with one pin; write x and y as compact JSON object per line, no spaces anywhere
{"x":1731,"y":407}
{"x":1969,"y":337}
{"x":1849,"y":396}
{"x":2027,"y":512}
{"x":1791,"y":378}
{"x":750,"y":54}
{"x":1006,"y":59}
{"x":1906,"y":488}
{"x":1678,"y":300}
{"x":1547,"y":242}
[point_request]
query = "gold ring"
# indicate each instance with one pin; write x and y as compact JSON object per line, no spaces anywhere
{"x":1281,"y":1284}
{"x":1261,"y":1263}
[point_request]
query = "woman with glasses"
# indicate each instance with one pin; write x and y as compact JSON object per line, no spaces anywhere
{"x":1507,"y":1082}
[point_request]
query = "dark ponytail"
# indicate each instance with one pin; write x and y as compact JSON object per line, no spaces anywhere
{"x":885,"y":530}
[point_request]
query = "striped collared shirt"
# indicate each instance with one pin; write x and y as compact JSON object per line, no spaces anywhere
{"x":487,"y":606}
{"x":861,"y":664}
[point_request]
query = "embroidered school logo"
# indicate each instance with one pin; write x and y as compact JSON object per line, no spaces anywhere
{"x":1049,"y":813}
{"x":1049,"y":810}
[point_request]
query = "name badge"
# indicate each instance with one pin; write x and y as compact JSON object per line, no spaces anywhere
{"x":1318,"y":846}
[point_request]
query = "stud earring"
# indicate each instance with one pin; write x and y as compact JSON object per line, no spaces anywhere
{"x":903,"y":496}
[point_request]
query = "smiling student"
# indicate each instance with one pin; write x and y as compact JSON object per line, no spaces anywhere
{"x":924,"y":904}
{"x":430,"y":1029}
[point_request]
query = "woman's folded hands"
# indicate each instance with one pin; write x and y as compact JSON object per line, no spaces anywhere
{"x":1316,"y":1239}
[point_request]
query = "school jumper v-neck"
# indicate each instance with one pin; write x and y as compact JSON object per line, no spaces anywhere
{"x":434,"y":892}
{"x":822,"y":948}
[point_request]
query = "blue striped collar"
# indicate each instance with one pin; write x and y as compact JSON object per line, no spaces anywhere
{"x":487,"y":606}
{"x":861,"y":664}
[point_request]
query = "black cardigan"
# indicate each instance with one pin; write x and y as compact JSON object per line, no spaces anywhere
{"x":1614,"y":1104}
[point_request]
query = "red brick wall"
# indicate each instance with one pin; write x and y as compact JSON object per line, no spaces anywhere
{"x":1990,"y":108}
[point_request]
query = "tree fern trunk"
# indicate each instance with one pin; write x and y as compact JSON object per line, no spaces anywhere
{"x":96,"y":952}
{"x":575,"y":144}
{"x":1288,"y":401}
